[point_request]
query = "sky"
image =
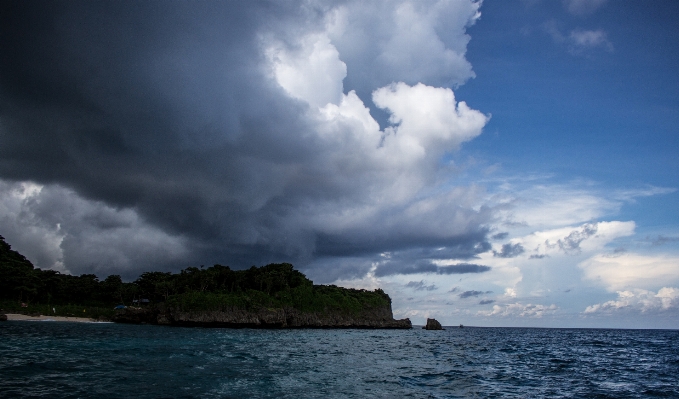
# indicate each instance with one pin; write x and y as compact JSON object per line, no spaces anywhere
{"x":495,"y":163}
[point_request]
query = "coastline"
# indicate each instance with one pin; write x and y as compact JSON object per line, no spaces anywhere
{"x":23,"y":317}
{"x":267,"y":318}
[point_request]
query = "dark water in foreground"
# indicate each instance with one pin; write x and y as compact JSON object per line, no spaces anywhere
{"x":76,"y":360}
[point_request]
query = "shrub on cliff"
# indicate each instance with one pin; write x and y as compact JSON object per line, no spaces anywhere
{"x":306,"y":298}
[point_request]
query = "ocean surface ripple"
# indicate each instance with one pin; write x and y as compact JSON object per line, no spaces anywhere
{"x":98,"y":360}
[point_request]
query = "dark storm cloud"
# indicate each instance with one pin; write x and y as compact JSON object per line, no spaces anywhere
{"x":419,"y":260}
{"x":140,"y":104}
{"x":509,"y":251}
{"x":408,"y":243}
{"x":391,"y":268}
{"x":154,"y":106}
{"x":158,"y":124}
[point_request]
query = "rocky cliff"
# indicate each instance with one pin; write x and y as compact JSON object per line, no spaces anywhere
{"x":262,"y":318}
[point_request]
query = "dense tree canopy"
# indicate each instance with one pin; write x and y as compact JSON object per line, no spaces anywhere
{"x":21,"y":282}
{"x":216,"y":287}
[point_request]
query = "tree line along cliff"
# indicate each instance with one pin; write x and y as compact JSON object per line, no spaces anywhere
{"x":276,"y":294}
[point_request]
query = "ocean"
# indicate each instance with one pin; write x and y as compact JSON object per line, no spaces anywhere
{"x":104,"y":360}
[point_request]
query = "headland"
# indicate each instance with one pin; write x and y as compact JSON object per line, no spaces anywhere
{"x":271,"y":296}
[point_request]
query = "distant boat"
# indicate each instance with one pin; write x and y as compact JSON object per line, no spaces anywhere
{"x":461,"y":326}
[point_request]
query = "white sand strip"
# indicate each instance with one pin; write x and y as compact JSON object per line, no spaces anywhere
{"x":23,"y":317}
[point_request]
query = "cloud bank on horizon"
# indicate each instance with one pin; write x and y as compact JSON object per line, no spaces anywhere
{"x":327,"y":134}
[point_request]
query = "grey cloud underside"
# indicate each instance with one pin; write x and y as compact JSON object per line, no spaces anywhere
{"x":509,"y":251}
{"x":469,"y":294}
{"x":420,"y":286}
{"x":424,"y":266}
{"x":500,"y":236}
{"x":164,"y":109}
{"x":662,"y":240}
{"x":571,"y":243}
{"x":463,"y":268}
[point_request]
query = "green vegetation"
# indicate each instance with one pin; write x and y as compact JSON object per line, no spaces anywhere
{"x":213,"y":288}
{"x":25,"y":289}
{"x":308,"y":298}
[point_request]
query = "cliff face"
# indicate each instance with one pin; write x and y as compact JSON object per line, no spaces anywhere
{"x":262,"y":318}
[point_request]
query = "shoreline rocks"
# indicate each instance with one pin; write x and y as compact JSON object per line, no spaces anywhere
{"x":276,"y":318}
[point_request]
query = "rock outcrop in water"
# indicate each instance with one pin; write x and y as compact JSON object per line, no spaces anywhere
{"x":381,"y":318}
{"x":433,"y":324}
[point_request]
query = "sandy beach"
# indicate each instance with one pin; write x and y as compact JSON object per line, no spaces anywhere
{"x":23,"y":317}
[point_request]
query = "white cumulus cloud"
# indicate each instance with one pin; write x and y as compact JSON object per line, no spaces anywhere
{"x":409,"y":41}
{"x":311,"y":71}
{"x":539,"y":206}
{"x":581,"y":40}
{"x":520,"y":310}
{"x":427,"y":118}
{"x":625,"y":270}
{"x":639,"y":300}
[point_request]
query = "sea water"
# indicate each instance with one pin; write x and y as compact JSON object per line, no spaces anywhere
{"x":98,"y":360}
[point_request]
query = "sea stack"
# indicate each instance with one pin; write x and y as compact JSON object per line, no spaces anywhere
{"x":432,"y":324}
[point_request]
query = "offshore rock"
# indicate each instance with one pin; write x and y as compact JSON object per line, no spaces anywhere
{"x":433,"y":324}
{"x":376,"y":318}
